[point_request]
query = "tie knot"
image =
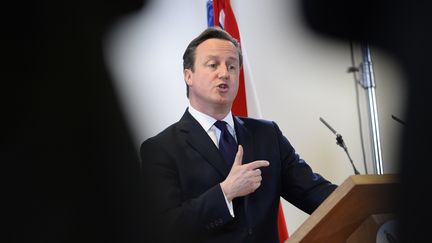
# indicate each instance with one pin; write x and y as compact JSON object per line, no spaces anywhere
{"x":221,"y":125}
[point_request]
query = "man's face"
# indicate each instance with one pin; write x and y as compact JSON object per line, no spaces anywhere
{"x":214,"y":83}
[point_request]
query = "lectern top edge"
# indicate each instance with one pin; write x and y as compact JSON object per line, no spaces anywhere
{"x":373,"y":179}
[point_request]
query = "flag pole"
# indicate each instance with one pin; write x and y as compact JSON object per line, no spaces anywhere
{"x":368,"y":83}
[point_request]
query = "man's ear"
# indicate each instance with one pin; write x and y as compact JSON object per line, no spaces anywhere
{"x":187,"y":73}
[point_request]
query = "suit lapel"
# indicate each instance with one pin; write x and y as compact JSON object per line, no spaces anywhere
{"x":244,"y":138}
{"x":198,"y":139}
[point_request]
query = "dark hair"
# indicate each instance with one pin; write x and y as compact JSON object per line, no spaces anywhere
{"x":209,"y":33}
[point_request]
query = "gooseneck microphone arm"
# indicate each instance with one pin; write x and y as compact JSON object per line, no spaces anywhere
{"x":340,"y":142}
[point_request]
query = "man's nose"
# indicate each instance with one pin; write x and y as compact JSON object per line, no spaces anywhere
{"x":223,"y":72}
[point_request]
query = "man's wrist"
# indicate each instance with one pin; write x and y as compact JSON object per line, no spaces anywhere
{"x":225,"y":191}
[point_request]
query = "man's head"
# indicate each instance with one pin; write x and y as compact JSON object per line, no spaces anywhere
{"x":211,"y":67}
{"x":209,"y":33}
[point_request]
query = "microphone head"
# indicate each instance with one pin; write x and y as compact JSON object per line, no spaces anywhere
{"x":327,"y":125}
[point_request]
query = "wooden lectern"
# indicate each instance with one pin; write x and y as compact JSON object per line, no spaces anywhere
{"x":352,"y":213}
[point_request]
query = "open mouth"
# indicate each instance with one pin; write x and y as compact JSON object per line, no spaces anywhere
{"x":223,"y":86}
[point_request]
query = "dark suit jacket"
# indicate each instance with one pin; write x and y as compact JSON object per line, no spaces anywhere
{"x":184,"y":167}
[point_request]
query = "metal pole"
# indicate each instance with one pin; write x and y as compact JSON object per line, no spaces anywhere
{"x":368,"y":83}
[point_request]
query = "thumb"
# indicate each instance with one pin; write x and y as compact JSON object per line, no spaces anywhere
{"x":239,"y":156}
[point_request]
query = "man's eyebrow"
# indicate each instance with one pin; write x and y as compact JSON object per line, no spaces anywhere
{"x":217,"y":57}
{"x":233,"y":58}
{"x":212,"y":57}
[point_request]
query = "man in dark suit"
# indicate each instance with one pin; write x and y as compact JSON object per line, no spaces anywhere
{"x":199,"y":194}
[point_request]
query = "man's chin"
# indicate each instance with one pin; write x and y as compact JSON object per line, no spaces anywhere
{"x":223,"y":101}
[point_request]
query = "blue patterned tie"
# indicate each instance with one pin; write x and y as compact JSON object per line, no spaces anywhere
{"x":227,"y":143}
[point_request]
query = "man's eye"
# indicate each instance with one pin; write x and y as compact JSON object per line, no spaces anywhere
{"x":211,"y":65}
{"x":232,"y":67}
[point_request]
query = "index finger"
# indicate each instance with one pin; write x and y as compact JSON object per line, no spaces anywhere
{"x":258,"y":164}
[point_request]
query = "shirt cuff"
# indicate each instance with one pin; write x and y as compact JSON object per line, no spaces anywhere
{"x":229,"y":205}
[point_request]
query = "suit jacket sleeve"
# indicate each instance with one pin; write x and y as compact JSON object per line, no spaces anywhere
{"x":300,"y":185}
{"x":200,"y":213}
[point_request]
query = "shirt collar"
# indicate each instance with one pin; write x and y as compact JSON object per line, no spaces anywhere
{"x":207,"y":121}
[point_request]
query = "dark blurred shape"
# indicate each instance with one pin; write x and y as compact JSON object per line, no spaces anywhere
{"x":403,"y":29}
{"x":72,"y":170}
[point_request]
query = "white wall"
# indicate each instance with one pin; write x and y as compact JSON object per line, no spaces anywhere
{"x":293,"y":77}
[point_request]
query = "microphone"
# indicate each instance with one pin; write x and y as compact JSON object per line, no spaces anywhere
{"x":340,"y":142}
{"x":398,"y":120}
{"x":331,"y":128}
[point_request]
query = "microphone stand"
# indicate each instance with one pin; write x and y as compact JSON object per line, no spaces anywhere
{"x":340,"y":142}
